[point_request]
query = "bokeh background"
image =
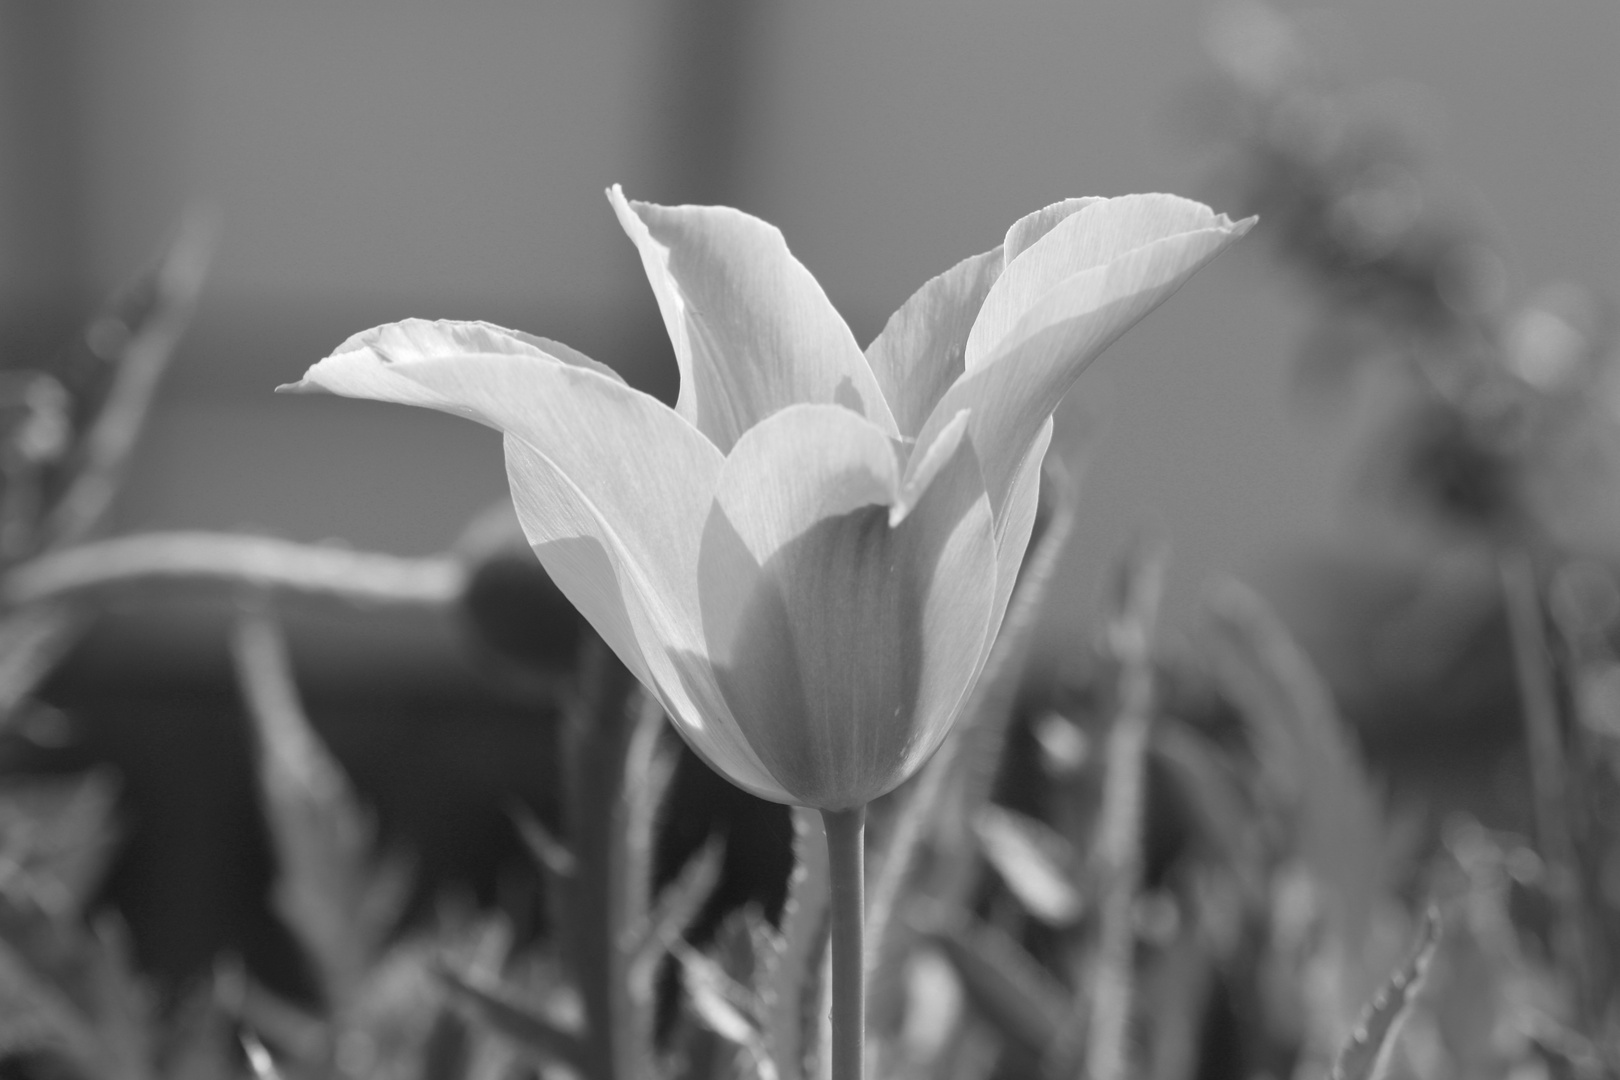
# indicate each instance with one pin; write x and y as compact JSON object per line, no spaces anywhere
{"x":370,"y":160}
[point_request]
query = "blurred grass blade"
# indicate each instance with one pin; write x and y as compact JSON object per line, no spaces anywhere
{"x":558,"y":866}
{"x":1004,"y":983}
{"x":1036,"y":863}
{"x":549,"y":852}
{"x":542,"y":1039}
{"x":1306,"y":754}
{"x":72,"y":988}
{"x":32,"y":640}
{"x":1117,"y":858}
{"x":258,"y":1058}
{"x":1209,"y":787}
{"x":616,"y":766}
{"x":792,"y":973}
{"x":675,"y":909}
{"x":56,"y":838}
{"x":43,"y":999}
{"x":143,"y":351}
{"x":719,"y":1000}
{"x":1366,"y":1055}
{"x":337,"y":898}
{"x":300,"y":1035}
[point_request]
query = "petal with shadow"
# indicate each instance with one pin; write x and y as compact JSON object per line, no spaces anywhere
{"x":842,"y":645}
{"x":1011,"y":394}
{"x":1085,"y":234}
{"x":612,"y":488}
{"x":752,"y":329}
{"x":918,"y":354}
{"x":1031,"y":227}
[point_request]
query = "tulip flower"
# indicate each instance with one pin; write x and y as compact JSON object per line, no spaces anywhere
{"x":808,"y":557}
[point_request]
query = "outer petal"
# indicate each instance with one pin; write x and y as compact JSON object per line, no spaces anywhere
{"x":1096,"y":234}
{"x":1013,"y":391}
{"x":1017,"y":521}
{"x":844,"y":646}
{"x":918,"y":355}
{"x":612,"y":488}
{"x":1031,"y":227}
{"x":752,"y":330}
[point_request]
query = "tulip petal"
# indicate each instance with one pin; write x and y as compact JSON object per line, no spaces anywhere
{"x":918,"y":354}
{"x":1017,"y":522}
{"x":753,"y":332}
{"x":1083,"y":237}
{"x":612,"y":488}
{"x":1012,"y":393}
{"x":568,"y":538}
{"x":843,"y":646}
{"x":1031,"y":227}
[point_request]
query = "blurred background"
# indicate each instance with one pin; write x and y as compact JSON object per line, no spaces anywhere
{"x":372,"y":160}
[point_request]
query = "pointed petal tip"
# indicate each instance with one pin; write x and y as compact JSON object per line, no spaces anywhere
{"x":302,"y":386}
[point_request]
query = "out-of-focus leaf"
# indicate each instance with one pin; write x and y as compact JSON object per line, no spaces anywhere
{"x":1306,"y":754}
{"x":32,"y":640}
{"x":1117,"y":855}
{"x":447,"y":1049}
{"x":616,"y":763}
{"x":1179,"y":984}
{"x":1005,"y":985}
{"x":139,"y":340}
{"x":198,"y":1046}
{"x":337,"y":897}
{"x":679,"y":904}
{"x":1366,"y":1055}
{"x":1214,"y":795}
{"x":502,"y":1009}
{"x":258,"y":1058}
{"x":55,"y":838}
{"x":1037,"y":864}
{"x":549,"y":852}
{"x":935,"y":1004}
{"x":792,"y":971}
{"x":558,"y":866}
{"x":298,"y":1034}
{"x":720,"y":1001}
{"x":72,"y":990}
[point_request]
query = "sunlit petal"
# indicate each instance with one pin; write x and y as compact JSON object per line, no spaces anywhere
{"x":1083,"y":238}
{"x":1031,"y":227}
{"x":843,"y":645}
{"x":1017,"y":521}
{"x":620,"y":539}
{"x":918,"y":355}
{"x":1011,"y":393}
{"x":752,"y":330}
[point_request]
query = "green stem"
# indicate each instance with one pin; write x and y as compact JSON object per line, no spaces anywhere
{"x":846,"y":864}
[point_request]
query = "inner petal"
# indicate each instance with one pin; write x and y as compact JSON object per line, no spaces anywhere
{"x":844,"y":653}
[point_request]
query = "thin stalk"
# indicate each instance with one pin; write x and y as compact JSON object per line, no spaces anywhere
{"x":1119,"y":841}
{"x":234,"y":559}
{"x":1549,"y":770}
{"x":846,"y":863}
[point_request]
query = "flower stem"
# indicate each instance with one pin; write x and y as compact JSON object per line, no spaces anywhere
{"x":846,"y":864}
